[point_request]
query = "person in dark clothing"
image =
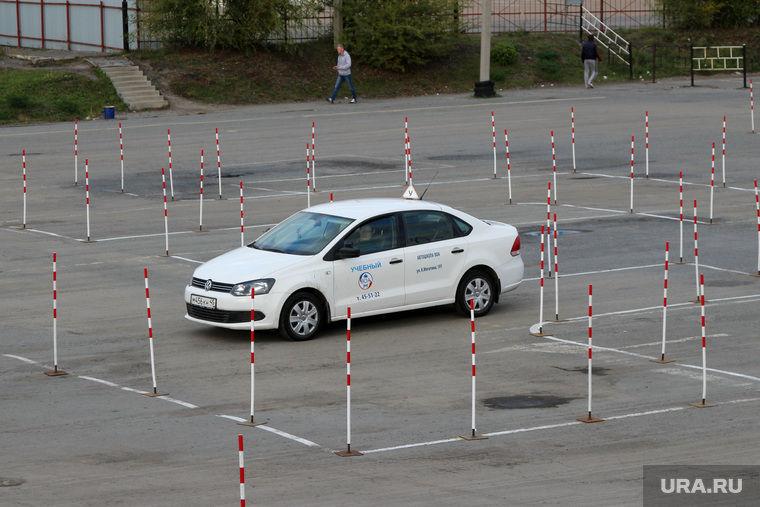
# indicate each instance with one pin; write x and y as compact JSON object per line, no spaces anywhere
{"x":590,"y":56}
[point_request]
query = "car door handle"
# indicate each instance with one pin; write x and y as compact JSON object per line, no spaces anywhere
{"x":457,"y":250}
{"x":395,"y":261}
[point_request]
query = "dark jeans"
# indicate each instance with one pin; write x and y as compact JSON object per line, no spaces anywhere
{"x":340,"y":82}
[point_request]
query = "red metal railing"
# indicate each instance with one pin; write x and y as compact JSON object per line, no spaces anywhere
{"x":74,"y":10}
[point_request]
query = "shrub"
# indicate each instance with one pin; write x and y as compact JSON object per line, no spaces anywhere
{"x":504,"y":53}
{"x":18,"y":100}
{"x":498,"y":74}
{"x":397,"y":34}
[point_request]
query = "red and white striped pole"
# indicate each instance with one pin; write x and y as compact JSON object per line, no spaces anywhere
{"x":509,"y":169}
{"x":171,"y":178}
{"x":200,"y":227}
{"x":493,"y":129}
{"x":704,"y":339}
{"x":409,"y":159}
{"x":712,"y":182}
{"x":704,"y":349}
{"x":472,"y":332}
{"x":752,"y":106}
{"x":313,"y":158}
{"x":87,"y":194}
{"x":554,"y":169}
{"x":76,"y":151}
{"x":757,"y":206}
{"x":696,"y":250}
{"x":348,"y":451}
{"x":56,"y":372}
{"x":680,"y":212}
{"x":664,"y":309}
{"x":549,"y":227}
{"x":23,"y":164}
{"x":150,"y":339}
{"x":590,"y":419}
{"x":724,"y":151}
{"x":166,"y":213}
{"x":406,"y":150}
{"x":308,"y":178}
{"x":473,"y":436}
{"x":556,"y":273}
{"x":541,"y":292}
{"x":646,"y":150}
{"x":253,"y":363}
{"x":242,"y":227}
{"x":631,"y":174}
{"x":218,"y":164}
{"x":572,"y":125}
{"x":241,"y":465}
{"x":121,"y":152}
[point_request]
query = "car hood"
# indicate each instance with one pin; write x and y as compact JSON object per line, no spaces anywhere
{"x":244,"y":264}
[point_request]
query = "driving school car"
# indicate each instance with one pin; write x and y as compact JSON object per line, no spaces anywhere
{"x":373,"y":256}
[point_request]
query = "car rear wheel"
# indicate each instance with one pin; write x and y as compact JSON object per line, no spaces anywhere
{"x":301,"y":317}
{"x":479,"y":287}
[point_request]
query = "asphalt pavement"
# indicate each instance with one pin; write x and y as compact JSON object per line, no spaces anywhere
{"x":92,"y":438}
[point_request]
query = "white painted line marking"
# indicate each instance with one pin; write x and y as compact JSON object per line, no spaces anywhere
{"x":276,"y":432}
{"x":547,"y":427}
{"x":185,"y":259}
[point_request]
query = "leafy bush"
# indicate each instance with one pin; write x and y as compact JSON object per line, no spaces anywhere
{"x":548,"y":55}
{"x":397,"y":34}
{"x":504,"y":53}
{"x":498,"y":74}
{"x":18,"y":100}
{"x":239,"y":24}
{"x":697,"y":14}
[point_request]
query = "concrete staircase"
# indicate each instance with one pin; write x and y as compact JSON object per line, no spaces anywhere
{"x":130,"y":83}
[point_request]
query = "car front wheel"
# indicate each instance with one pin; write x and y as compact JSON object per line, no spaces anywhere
{"x":301,"y":317}
{"x":479,"y":287}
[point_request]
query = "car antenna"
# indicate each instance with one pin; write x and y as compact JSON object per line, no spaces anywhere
{"x":428,"y":185}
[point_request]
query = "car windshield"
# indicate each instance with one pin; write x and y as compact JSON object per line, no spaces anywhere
{"x":304,"y":233}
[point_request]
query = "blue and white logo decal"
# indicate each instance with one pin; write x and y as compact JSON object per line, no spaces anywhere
{"x":365,"y":280}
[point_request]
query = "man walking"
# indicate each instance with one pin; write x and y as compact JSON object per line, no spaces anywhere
{"x":344,"y":74}
{"x":590,"y":56}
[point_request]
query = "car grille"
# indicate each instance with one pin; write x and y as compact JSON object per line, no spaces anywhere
{"x":215,"y":286}
{"x":221,"y":316}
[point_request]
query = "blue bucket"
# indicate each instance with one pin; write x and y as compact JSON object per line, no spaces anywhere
{"x":109,"y":112}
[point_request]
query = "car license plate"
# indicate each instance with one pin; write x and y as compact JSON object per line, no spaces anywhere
{"x":203,"y":302}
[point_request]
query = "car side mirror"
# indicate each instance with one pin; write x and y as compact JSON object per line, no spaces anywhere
{"x":347,"y":251}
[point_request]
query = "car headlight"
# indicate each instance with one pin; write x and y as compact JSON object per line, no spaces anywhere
{"x":259,"y":287}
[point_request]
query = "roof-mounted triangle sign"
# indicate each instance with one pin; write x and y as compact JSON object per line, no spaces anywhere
{"x":410,"y":193}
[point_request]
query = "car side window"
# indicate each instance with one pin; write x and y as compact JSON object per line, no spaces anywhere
{"x":426,"y":227}
{"x":376,"y":236}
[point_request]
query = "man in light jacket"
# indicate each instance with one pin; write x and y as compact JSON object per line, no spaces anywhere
{"x":344,"y":74}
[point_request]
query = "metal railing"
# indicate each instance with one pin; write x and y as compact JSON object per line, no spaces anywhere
{"x":719,"y":58}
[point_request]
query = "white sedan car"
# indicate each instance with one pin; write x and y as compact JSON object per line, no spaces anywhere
{"x":373,"y":256}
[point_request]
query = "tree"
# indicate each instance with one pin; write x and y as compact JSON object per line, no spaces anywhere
{"x":228,"y":24}
{"x":397,"y":34}
{"x":696,"y":14}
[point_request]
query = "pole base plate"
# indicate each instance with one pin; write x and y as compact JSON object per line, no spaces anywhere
{"x":703,"y":405}
{"x":662,"y":361}
{"x":473,"y":437}
{"x":251,"y":423}
{"x":347,"y":453}
{"x":153,"y":395}
{"x":55,"y":373}
{"x":590,"y":419}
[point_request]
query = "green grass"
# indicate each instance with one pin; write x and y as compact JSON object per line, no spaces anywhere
{"x":32,"y":96}
{"x":270,"y":76}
